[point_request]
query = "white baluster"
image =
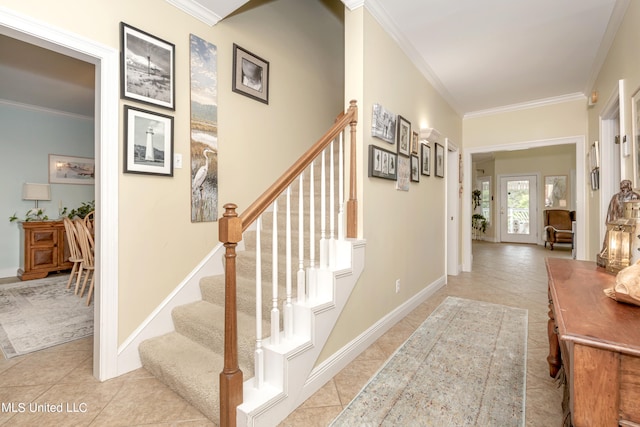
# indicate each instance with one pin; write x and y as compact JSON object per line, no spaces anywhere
{"x":301,"y":281}
{"x":331,"y":249}
{"x":259,"y":354}
{"x":275,"y":312}
{"x":341,"y":188}
{"x":324,"y":261}
{"x":311,"y":278}
{"x":288,"y":307}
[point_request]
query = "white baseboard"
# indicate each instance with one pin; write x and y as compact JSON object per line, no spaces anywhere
{"x":8,"y":272}
{"x":159,"y":322}
{"x":340,"y":359}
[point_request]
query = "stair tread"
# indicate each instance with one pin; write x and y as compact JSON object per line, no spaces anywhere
{"x":187,"y":367}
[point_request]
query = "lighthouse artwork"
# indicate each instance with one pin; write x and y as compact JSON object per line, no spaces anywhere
{"x":148,"y":142}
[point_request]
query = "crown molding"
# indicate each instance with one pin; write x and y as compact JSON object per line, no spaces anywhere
{"x":393,"y":29}
{"x":196,"y":10}
{"x":353,"y":4}
{"x":30,"y":107}
{"x":578,"y":96}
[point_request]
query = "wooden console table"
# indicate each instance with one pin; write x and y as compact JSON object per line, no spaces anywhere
{"x":598,"y":341}
{"x":43,"y":249}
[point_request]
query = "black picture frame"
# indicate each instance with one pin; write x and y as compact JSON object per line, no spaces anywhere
{"x":415,"y":168}
{"x":144,"y":129}
{"x":439,"y":161}
{"x":382,"y":163}
{"x":426,"y":159}
{"x":403,"y":136}
{"x":250,"y":75}
{"x":147,"y":70}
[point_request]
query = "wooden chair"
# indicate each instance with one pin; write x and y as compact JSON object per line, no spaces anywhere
{"x":89,"y":221}
{"x":74,"y":250}
{"x":87,"y":248}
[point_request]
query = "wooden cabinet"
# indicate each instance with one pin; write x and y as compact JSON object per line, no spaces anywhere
{"x":43,"y":249}
{"x":597,"y":341}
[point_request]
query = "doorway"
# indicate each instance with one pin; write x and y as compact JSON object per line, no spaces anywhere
{"x":453,"y":209}
{"x":106,"y":61}
{"x":518,"y":209}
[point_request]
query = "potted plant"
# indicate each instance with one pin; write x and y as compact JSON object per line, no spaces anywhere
{"x":478,"y":221}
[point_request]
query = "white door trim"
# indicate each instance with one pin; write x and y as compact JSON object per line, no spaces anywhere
{"x":106,"y":60}
{"x":581,"y":219}
{"x":452,"y":218}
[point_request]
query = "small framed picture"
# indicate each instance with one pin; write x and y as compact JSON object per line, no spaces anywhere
{"x":382,"y":163}
{"x":439,"y":163}
{"x":250,"y":75}
{"x":148,"y":68}
{"x":71,"y":170}
{"x":426,"y":159}
{"x":414,"y":143}
{"x":148,"y":142}
{"x":415,"y":169}
{"x":404,"y":136}
{"x":383,"y":124}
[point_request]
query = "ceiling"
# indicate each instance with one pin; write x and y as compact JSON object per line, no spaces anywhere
{"x":481,"y":55}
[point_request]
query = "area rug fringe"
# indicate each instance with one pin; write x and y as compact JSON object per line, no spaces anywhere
{"x":464,"y":366}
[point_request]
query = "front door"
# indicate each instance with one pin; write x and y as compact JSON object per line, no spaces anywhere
{"x":518,"y":209}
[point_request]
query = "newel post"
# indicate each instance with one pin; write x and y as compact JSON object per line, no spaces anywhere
{"x":230,"y":233}
{"x":352,"y":203}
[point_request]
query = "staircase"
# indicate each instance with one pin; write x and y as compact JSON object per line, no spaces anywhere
{"x":294,"y":237}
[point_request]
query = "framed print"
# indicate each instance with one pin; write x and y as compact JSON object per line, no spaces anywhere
{"x":415,"y":169}
{"x":555,"y":191}
{"x":71,"y":170}
{"x":148,"y":142}
{"x":439,"y":162}
{"x":382,"y":163}
{"x":635,"y":129}
{"x":404,"y":136}
{"x":148,"y":68}
{"x":383,"y":124}
{"x":250,"y":75}
{"x":404,"y":167}
{"x":414,"y":143}
{"x":426,"y":159}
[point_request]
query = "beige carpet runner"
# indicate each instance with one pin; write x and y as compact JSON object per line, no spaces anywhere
{"x":464,"y":366}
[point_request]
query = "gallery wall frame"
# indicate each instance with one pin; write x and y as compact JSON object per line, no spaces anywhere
{"x":382,"y":163}
{"x":383,"y":124}
{"x":250,"y":75}
{"x":439,"y":160}
{"x":404,"y":173}
{"x":147,"y":68}
{"x":414,"y":143}
{"x":404,"y":136}
{"x":426,"y":159}
{"x":148,"y":142}
{"x":71,"y":170}
{"x":415,"y":168}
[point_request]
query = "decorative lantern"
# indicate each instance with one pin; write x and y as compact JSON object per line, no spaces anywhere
{"x":620,"y":241}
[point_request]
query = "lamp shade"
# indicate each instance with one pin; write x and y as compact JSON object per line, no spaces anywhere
{"x":32,"y":191}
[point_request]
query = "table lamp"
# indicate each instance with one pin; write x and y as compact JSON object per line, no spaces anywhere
{"x":31,"y":191}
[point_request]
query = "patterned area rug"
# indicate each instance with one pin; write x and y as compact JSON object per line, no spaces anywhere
{"x":464,"y":366}
{"x":42,"y":313}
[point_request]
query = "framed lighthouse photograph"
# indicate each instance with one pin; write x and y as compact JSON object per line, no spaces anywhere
{"x":148,"y":142}
{"x":148,"y":68}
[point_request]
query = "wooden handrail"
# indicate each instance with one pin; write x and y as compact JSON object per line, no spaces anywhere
{"x":272,"y":193}
{"x":230,"y":229}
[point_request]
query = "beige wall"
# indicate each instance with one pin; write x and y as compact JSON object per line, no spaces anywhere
{"x":620,"y":63}
{"x":303,"y":41}
{"x":405,"y":231}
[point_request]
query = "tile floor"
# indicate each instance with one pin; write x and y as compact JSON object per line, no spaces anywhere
{"x":33,"y":386}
